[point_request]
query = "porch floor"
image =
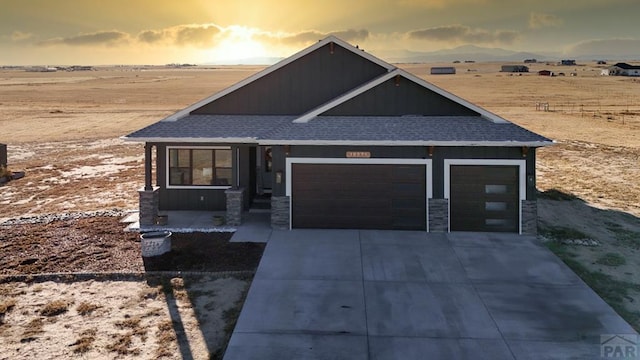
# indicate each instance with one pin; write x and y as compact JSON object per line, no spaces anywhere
{"x":255,"y":227}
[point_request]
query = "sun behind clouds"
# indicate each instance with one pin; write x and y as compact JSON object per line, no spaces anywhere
{"x":239,"y":44}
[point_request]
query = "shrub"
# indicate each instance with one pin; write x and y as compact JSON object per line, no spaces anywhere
{"x":54,"y":308}
{"x":611,"y":259}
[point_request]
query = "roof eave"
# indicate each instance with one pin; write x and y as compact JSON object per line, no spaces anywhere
{"x":407,"y":143}
{"x":220,"y":140}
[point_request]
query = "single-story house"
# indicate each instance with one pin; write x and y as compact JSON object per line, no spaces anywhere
{"x":443,"y":70}
{"x":339,"y":138}
{"x":545,"y":73}
{"x":624,"y":69}
{"x":514,"y":68}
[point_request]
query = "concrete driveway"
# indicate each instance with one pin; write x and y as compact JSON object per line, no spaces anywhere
{"x":367,"y":294}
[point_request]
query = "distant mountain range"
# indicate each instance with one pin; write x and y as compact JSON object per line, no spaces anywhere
{"x":460,"y":53}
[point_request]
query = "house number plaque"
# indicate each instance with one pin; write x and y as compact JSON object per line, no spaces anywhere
{"x":358,"y":154}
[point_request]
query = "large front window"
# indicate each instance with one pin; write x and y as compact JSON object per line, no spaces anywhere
{"x":200,"y":167}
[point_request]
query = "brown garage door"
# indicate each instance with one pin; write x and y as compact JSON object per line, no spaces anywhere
{"x":484,"y":198}
{"x":358,"y":196}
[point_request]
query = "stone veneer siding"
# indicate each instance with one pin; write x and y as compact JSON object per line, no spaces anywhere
{"x":438,"y":215}
{"x":148,"y":206}
{"x":529,"y":217}
{"x":234,"y":206}
{"x":280,"y":208}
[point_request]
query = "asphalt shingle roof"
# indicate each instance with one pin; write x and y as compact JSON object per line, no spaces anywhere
{"x":362,"y":129}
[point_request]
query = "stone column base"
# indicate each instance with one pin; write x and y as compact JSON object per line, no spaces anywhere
{"x":438,"y":215}
{"x":234,"y":206}
{"x":148,"y":206}
{"x":280,"y":212}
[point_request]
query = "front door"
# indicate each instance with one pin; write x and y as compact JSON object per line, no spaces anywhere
{"x":265,"y":165}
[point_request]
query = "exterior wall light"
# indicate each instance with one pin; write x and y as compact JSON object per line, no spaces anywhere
{"x":279,"y":177}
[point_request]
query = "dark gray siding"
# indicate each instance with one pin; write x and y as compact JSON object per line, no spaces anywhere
{"x":299,"y":86}
{"x":397,"y":97}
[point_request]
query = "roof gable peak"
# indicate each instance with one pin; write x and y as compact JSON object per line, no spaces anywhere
{"x":282,"y":63}
{"x":309,"y":116}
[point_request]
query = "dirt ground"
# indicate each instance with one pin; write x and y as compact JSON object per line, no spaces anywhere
{"x":139,"y":312}
{"x":63,"y":129}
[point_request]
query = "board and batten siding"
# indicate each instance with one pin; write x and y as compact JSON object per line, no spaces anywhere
{"x":398,"y":97}
{"x":293,"y":89}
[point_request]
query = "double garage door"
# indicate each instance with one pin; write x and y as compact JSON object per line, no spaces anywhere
{"x":358,"y":196}
{"x":392,"y":196}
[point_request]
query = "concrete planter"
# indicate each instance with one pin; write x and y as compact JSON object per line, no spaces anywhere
{"x":218,"y":220}
{"x":155,"y":243}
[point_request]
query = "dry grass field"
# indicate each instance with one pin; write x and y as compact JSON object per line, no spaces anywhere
{"x":63,"y":129}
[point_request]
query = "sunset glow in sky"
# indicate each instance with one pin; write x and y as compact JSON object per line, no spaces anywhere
{"x":41,"y":32}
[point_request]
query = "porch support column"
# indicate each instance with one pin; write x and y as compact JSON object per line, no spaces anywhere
{"x":148,"y":167}
{"x":235,"y":166}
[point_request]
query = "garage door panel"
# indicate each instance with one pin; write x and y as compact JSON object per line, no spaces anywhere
{"x":484,"y":198}
{"x":342,"y":222}
{"x":366,"y":196}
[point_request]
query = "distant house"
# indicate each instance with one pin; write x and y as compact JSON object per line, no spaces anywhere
{"x":3,"y":155}
{"x":624,"y":69}
{"x":602,"y":62}
{"x":530,"y":61}
{"x":514,"y":68}
{"x":568,"y":62}
{"x":443,"y":70}
{"x":545,"y":73}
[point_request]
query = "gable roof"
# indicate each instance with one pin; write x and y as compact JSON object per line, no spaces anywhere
{"x":437,"y":117}
{"x":279,"y":65}
{"x":627,"y":66}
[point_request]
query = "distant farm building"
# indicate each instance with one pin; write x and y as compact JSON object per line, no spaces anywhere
{"x":624,"y":69}
{"x":443,"y":70}
{"x":514,"y":68}
{"x":41,"y":69}
{"x":530,"y":61}
{"x":602,"y":62}
{"x":568,"y":62}
{"x":546,"y":73}
{"x":3,"y":155}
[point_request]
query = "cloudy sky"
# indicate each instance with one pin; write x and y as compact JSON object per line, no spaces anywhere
{"x":208,"y":31}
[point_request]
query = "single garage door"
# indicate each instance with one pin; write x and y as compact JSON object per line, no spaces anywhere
{"x":484,"y":198}
{"x":358,"y":196}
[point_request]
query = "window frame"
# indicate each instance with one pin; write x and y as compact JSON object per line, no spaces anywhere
{"x":211,"y":187}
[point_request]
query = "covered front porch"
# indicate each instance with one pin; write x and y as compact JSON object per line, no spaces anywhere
{"x":255,"y":226}
{"x":190,"y":180}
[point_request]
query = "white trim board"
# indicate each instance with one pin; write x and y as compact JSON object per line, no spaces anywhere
{"x":522,"y":180}
{"x":375,"y":161}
